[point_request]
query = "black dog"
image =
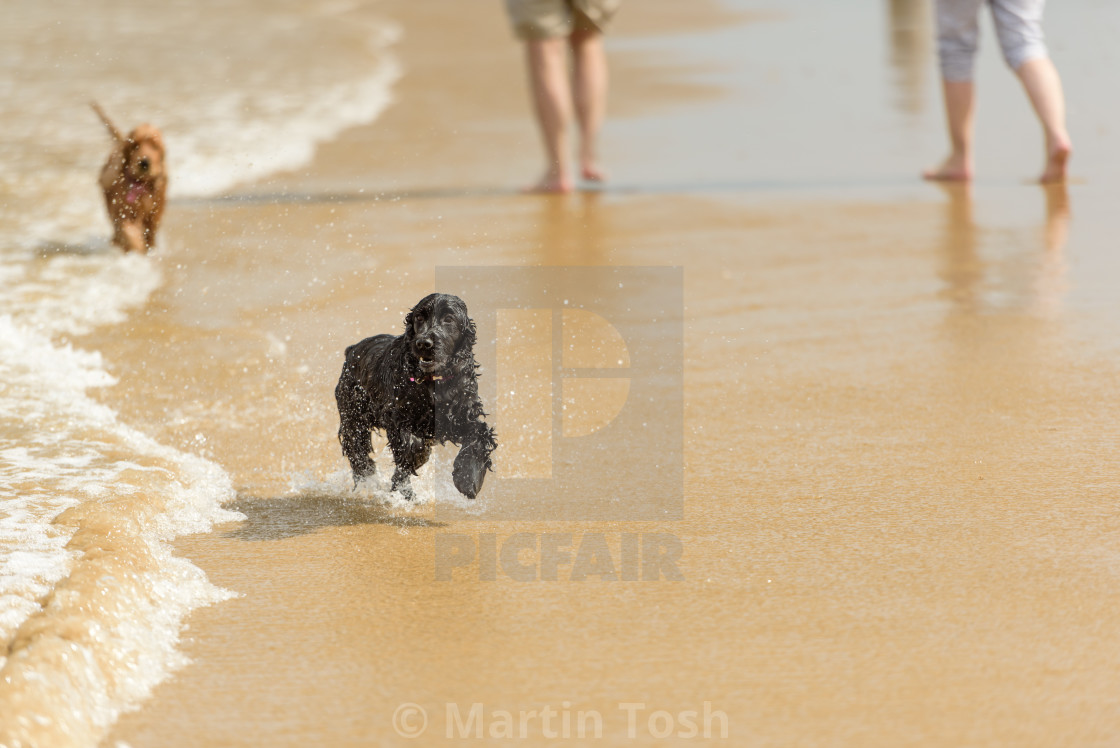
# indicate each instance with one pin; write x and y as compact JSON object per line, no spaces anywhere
{"x":419,"y":388}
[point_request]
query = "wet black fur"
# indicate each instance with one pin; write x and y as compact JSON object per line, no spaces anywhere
{"x":382,"y":387}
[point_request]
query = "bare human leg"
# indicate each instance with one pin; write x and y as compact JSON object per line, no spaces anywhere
{"x":1044,"y":89}
{"x":590,"y":88}
{"x":547,"y":63}
{"x":959,"y":110}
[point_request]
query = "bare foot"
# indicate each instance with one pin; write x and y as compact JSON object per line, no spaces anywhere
{"x":1056,"y":161}
{"x":953,"y":169}
{"x":550,"y":184}
{"x":592,"y":173}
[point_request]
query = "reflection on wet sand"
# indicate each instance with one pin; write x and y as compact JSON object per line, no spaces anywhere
{"x":1051,"y":284}
{"x":910,"y":48}
{"x":975,"y":285}
{"x":1004,"y":355}
{"x":571,"y":231}
{"x":962,"y":270}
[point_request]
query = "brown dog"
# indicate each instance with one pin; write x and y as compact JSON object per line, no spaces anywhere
{"x":135,"y":184}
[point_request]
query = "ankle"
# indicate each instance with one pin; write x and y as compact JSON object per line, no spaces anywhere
{"x":558,"y":172}
{"x":1059,"y":145}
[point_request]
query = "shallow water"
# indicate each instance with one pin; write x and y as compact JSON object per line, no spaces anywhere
{"x":897,"y":456}
{"x":91,"y":599}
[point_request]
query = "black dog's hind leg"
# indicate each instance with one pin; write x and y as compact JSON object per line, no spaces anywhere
{"x":355,"y":439}
{"x":354,"y":426}
{"x":409,"y":454}
{"x":473,"y":460}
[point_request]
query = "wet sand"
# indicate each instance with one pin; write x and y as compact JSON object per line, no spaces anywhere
{"x":899,"y":451}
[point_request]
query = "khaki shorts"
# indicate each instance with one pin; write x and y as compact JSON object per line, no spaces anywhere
{"x":536,"y":19}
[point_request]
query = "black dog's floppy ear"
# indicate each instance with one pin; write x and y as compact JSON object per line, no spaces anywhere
{"x":424,"y":304}
{"x":470,"y":335}
{"x":463,"y":360}
{"x":470,"y":332}
{"x":408,"y":318}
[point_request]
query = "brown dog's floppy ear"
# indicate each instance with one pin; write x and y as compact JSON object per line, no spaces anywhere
{"x":128,"y":145}
{"x":149,"y":133}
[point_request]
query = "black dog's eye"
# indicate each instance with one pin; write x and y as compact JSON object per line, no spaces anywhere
{"x":448,"y":319}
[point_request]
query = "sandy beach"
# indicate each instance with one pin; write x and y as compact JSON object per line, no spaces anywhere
{"x":897,"y":459}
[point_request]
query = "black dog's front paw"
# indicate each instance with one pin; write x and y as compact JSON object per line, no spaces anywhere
{"x":403,"y":485}
{"x":365,"y":473}
{"x":470,"y":469}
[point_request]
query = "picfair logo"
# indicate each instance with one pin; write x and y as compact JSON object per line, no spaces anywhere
{"x":583,"y":374}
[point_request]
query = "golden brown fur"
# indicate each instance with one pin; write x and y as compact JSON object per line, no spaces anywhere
{"x":134,"y":180}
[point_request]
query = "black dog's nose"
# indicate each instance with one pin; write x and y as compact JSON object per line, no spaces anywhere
{"x":144,"y":164}
{"x":423,"y":345}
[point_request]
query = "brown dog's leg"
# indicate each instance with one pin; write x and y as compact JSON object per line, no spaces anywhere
{"x":132,"y":238}
{"x":149,"y":236}
{"x":151,"y":223}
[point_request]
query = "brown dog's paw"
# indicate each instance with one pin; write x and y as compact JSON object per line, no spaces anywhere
{"x":132,"y":239}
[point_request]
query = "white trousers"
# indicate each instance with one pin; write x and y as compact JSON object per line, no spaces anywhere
{"x":1018,"y":26}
